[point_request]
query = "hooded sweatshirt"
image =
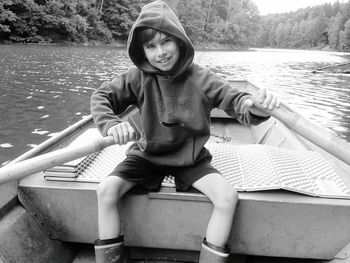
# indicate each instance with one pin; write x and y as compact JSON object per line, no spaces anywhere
{"x":174,"y":106}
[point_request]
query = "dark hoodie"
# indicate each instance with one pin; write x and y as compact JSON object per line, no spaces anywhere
{"x":174,"y":107}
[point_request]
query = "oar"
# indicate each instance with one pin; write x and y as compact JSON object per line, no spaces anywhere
{"x":309,"y":130}
{"x":39,"y":163}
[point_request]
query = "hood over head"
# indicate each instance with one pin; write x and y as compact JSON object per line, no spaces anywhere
{"x":159,"y":16}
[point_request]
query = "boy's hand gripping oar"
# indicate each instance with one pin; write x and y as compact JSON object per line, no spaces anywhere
{"x":308,"y":129}
{"x":39,"y":163}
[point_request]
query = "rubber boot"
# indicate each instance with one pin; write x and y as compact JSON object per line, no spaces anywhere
{"x":213,"y":254}
{"x":109,"y":250}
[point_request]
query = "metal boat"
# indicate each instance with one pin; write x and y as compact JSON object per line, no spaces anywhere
{"x":293,"y":201}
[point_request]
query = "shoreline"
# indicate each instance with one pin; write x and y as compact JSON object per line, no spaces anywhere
{"x":200,"y":47}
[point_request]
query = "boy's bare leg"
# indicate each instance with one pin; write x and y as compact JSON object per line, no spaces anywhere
{"x":108,"y":194}
{"x":224,"y":198}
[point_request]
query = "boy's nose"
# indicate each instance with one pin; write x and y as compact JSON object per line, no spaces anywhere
{"x":161,"y":51}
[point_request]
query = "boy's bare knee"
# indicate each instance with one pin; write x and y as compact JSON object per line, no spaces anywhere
{"x":227,"y":199}
{"x":107,"y":193}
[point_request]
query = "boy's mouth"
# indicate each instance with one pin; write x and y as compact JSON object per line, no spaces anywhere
{"x":165,"y":60}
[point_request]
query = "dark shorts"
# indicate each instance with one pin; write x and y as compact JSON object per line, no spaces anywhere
{"x":150,"y":176}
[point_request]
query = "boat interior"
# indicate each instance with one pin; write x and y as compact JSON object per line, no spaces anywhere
{"x":293,"y":196}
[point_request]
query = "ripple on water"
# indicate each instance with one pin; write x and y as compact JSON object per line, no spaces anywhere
{"x":6,"y":145}
{"x":39,"y":131}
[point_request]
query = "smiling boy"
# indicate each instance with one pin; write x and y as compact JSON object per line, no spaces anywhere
{"x":162,"y":51}
{"x":175,"y":97}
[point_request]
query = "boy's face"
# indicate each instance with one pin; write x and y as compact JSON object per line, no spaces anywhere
{"x":162,"y":51}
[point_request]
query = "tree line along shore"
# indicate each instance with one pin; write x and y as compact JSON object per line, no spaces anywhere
{"x":230,"y":24}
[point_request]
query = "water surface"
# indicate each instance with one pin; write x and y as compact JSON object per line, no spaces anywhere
{"x":44,"y":89}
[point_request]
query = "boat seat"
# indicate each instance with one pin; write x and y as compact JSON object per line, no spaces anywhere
{"x":251,"y":167}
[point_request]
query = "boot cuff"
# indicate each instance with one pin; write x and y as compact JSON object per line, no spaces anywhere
{"x":223,"y":251}
{"x":103,"y":242}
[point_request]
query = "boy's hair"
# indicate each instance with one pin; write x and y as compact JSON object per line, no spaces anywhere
{"x":146,"y":34}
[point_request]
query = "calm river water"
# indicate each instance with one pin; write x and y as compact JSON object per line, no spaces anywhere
{"x":44,"y":89}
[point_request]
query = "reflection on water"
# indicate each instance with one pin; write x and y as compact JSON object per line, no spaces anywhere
{"x":44,"y":89}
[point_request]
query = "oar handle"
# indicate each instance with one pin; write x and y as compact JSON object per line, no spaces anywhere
{"x":36,"y":164}
{"x":310,"y":130}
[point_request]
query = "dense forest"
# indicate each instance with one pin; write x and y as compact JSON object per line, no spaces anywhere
{"x":326,"y":25}
{"x":212,"y":23}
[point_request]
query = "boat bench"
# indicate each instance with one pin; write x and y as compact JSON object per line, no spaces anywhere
{"x":252,"y":167}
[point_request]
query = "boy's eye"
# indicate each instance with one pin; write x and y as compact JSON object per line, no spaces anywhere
{"x":166,"y":40}
{"x":147,"y":46}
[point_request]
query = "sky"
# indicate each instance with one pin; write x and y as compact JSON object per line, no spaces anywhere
{"x":281,"y":6}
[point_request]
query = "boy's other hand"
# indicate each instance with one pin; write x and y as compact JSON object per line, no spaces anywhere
{"x":262,"y":103}
{"x":122,"y":133}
